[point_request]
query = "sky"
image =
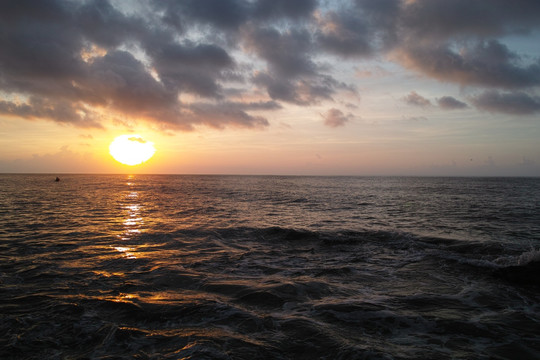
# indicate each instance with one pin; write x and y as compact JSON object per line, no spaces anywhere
{"x":303,"y":87}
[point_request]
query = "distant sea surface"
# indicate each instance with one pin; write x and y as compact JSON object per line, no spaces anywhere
{"x":269,"y":267}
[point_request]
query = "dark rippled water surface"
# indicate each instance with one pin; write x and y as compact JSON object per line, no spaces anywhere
{"x":232,"y":267}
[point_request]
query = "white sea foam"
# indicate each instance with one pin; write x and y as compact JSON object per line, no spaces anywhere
{"x":529,"y":256}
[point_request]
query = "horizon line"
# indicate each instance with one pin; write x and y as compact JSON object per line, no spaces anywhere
{"x":280,"y":175}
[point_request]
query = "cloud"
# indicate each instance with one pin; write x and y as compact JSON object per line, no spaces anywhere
{"x":192,"y":68}
{"x":265,"y":9}
{"x":229,"y":114}
{"x":445,"y":102}
{"x":219,"y":13}
{"x":414,"y":119}
{"x":103,"y":24}
{"x":174,"y":63}
{"x":513,"y":103}
{"x":59,"y":111}
{"x":335,"y":118}
{"x":137,"y":139}
{"x":344,"y":34}
{"x":416,"y":100}
{"x":460,"y":41}
{"x":361,"y":30}
{"x":229,"y":15}
{"x":304,"y":91}
{"x":287,"y":54}
{"x":441,"y":19}
{"x":69,"y":58}
{"x":121,"y":81}
{"x":450,"y":103}
{"x":488,"y":64}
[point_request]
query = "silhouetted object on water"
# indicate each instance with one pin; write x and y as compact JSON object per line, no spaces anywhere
{"x":57,"y":179}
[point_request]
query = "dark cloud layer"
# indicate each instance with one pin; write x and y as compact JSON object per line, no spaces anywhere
{"x":288,"y":54}
{"x":442,"y":19}
{"x":488,"y":64}
{"x":59,"y":111}
{"x":514,"y":103}
{"x":231,"y":14}
{"x":173,"y":63}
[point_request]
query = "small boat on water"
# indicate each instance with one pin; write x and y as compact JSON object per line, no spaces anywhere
{"x":57,"y":179}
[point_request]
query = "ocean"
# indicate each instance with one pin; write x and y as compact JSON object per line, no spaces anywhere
{"x":269,"y":267}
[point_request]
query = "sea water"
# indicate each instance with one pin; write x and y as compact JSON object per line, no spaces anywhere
{"x":268,"y":267}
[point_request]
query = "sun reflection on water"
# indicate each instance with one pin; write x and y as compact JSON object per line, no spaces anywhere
{"x":132,"y":223}
{"x":127,"y":251}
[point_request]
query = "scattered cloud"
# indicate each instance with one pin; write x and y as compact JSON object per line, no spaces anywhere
{"x":450,"y":103}
{"x":416,"y":100}
{"x":137,"y":139}
{"x":414,"y":119}
{"x":335,"y":118}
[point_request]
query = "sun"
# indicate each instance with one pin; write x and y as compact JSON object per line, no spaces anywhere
{"x":131,"y":149}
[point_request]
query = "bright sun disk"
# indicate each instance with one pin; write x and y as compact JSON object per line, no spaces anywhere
{"x":131,"y":149}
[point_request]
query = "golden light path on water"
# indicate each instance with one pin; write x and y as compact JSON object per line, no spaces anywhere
{"x":132,"y":223}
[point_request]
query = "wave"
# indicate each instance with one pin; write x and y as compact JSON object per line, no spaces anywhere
{"x":524,"y":274}
{"x":530,"y":256}
{"x":503,"y":261}
{"x":393,"y":239}
{"x":270,"y":292}
{"x":292,"y":235}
